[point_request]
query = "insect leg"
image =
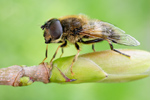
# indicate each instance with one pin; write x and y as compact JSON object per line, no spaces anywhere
{"x":45,"y":54}
{"x":91,"y":41}
{"x":93,"y":47}
{"x":56,"y":53}
{"x":75,"y":58}
{"x":62,"y":52}
{"x":112,"y":48}
{"x":62,"y":46}
{"x":66,"y":78}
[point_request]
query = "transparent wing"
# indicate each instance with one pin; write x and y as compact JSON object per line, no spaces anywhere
{"x":100,"y":29}
{"x":125,"y":39}
{"x":120,"y":37}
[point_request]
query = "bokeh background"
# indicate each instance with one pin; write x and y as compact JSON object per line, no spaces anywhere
{"x":22,"y":43}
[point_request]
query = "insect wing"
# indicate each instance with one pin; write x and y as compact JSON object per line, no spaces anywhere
{"x":125,"y":39}
{"x":120,"y":37}
{"x":115,"y":34}
{"x":100,"y":29}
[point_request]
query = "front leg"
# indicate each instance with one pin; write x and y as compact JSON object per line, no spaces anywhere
{"x":51,"y":63}
{"x":45,"y":55}
{"x":62,"y":45}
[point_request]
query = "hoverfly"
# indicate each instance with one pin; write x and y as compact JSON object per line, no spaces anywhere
{"x":80,"y":29}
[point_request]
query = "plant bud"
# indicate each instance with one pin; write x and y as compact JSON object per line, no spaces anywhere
{"x":104,"y":66}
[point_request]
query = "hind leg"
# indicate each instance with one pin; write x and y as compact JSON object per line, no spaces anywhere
{"x":91,"y":42}
{"x":112,"y":48}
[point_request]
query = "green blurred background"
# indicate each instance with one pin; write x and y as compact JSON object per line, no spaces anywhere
{"x":22,"y":43}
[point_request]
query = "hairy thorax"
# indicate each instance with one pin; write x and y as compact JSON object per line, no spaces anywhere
{"x":72,"y":26}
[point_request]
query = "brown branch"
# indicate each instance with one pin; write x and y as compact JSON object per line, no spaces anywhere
{"x":105,"y":66}
{"x":11,"y":75}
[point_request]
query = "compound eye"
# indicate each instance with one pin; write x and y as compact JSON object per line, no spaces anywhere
{"x":55,"y":29}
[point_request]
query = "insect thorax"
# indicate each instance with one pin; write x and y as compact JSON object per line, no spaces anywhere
{"x":71,"y":29}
